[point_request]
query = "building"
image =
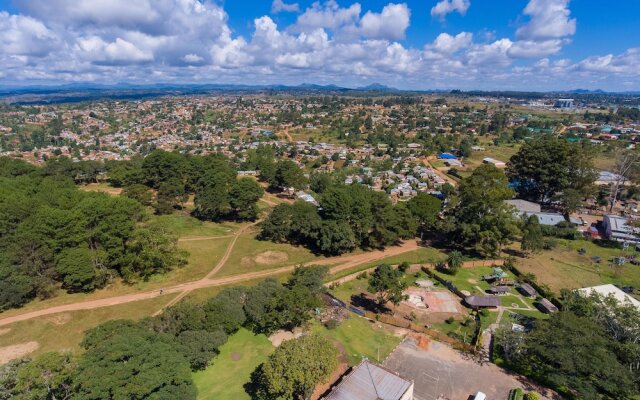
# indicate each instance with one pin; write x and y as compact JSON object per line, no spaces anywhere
{"x":547,"y":307}
{"x":496,"y":163}
{"x":524,"y":206}
{"x":616,"y":228}
{"x":610,"y":290}
{"x":527,"y":290}
{"x":564,"y":104}
{"x":499,"y":290}
{"x":369,"y":381}
{"x":476,"y":302}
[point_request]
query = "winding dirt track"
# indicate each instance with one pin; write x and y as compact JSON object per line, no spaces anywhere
{"x":338,"y":264}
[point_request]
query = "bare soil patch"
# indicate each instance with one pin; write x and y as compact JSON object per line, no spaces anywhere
{"x":271,"y":257}
{"x":5,"y":330}
{"x":235,"y":356}
{"x":12,"y":352}
{"x":282,"y":336}
{"x":59,"y":319}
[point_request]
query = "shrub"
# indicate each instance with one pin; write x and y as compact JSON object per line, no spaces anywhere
{"x":450,"y":320}
{"x":331,"y":324}
{"x":404,"y":267}
{"x":532,"y":396}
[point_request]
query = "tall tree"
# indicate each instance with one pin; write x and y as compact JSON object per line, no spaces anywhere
{"x":532,"y":237}
{"x":295,"y":368}
{"x":387,"y":283}
{"x":482,"y":220}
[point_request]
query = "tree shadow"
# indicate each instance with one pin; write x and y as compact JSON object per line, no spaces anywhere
{"x":366,"y":303}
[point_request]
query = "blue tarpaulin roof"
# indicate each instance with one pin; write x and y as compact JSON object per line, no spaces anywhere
{"x":447,"y":156}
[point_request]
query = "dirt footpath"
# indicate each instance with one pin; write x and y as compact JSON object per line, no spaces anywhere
{"x":439,"y":373}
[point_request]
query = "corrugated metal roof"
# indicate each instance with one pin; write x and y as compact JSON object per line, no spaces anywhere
{"x":368,"y":381}
{"x":482,"y":301}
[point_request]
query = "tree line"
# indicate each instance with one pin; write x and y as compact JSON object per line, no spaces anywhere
{"x":53,"y":235}
{"x":153,"y":358}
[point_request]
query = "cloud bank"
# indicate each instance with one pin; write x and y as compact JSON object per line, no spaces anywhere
{"x":146,"y":41}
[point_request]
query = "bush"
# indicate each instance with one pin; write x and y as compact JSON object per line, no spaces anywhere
{"x":484,"y":312}
{"x":404,"y":267}
{"x":450,"y":320}
{"x":331,"y":324}
{"x":532,"y":396}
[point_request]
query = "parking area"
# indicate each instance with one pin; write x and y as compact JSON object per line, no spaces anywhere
{"x":441,"y":373}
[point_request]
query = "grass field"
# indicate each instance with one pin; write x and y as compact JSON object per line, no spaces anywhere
{"x":203,"y":256}
{"x":101,"y":187}
{"x":63,"y":332}
{"x":238,"y":358}
{"x":564,"y":267}
{"x":501,"y":153}
{"x":470,"y":279}
{"x":358,"y":338}
{"x":251,"y":254}
{"x":186,"y":226}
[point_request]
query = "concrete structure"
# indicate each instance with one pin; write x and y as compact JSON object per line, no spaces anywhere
{"x":610,"y":290}
{"x":564,"y":103}
{"x":524,"y":205}
{"x":369,"y":381}
{"x":497,"y":163}
{"x":616,"y":228}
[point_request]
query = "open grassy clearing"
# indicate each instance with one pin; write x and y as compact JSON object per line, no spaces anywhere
{"x":65,"y":331}
{"x":101,"y":187}
{"x":501,"y":153}
{"x":564,"y":267}
{"x":470,"y":279}
{"x":423,"y":255}
{"x":203,"y":257}
{"x":251,"y":254}
{"x":361,"y":338}
{"x":239,"y":357}
{"x":186,"y":226}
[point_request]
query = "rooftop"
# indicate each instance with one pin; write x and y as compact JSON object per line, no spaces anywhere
{"x":610,"y":290}
{"x":369,"y":381}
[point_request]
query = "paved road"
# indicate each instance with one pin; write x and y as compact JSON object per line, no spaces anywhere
{"x":339,"y":264}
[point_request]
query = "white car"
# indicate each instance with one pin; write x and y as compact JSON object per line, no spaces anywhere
{"x":480,"y":396}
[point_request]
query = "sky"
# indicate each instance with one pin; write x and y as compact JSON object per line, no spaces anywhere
{"x":536,"y":45}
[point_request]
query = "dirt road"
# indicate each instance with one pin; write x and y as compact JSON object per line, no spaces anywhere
{"x":338,"y":264}
{"x":447,"y":178}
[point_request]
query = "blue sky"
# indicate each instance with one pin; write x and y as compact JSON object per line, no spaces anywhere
{"x":417,"y":44}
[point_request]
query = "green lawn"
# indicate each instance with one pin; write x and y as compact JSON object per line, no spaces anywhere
{"x":470,"y":279}
{"x":564,"y":267}
{"x":422,"y":255}
{"x":251,"y":254}
{"x":360,"y":338}
{"x":203,"y":256}
{"x":238,"y":358}
{"x":65,"y":331}
{"x":186,"y":226}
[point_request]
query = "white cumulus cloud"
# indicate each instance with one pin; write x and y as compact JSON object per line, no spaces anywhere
{"x":444,"y":7}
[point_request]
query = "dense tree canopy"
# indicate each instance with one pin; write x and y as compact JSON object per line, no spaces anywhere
{"x":351,"y":216}
{"x":482,"y":221}
{"x":553,"y":169}
{"x":53,"y":234}
{"x":295,"y":368}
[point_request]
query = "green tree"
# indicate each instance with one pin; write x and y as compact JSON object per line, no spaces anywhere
{"x":454,"y":262}
{"x":200,"y":347}
{"x":49,"y":376}
{"x":171,"y":194}
{"x":387,"y":284}
{"x":244,"y":196}
{"x":296,"y":367}
{"x":287,"y":175}
{"x":482,"y":220}
{"x":532,"y":237}
{"x":425,"y":209}
{"x":150,"y":250}
{"x":127,"y":366}
{"x":138,"y":192}
{"x":336,"y":238}
{"x":77,"y":267}
{"x":544,"y":169}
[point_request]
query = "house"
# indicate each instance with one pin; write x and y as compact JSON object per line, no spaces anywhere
{"x":369,"y":381}
{"x":476,"y":302}
{"x":548,"y":219}
{"x":527,"y":290}
{"x":617,"y":228}
{"x":499,"y":290}
{"x":610,"y":290}
{"x":524,"y":206}
{"x":546,"y":306}
{"x":496,"y":163}
{"x":447,"y":156}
